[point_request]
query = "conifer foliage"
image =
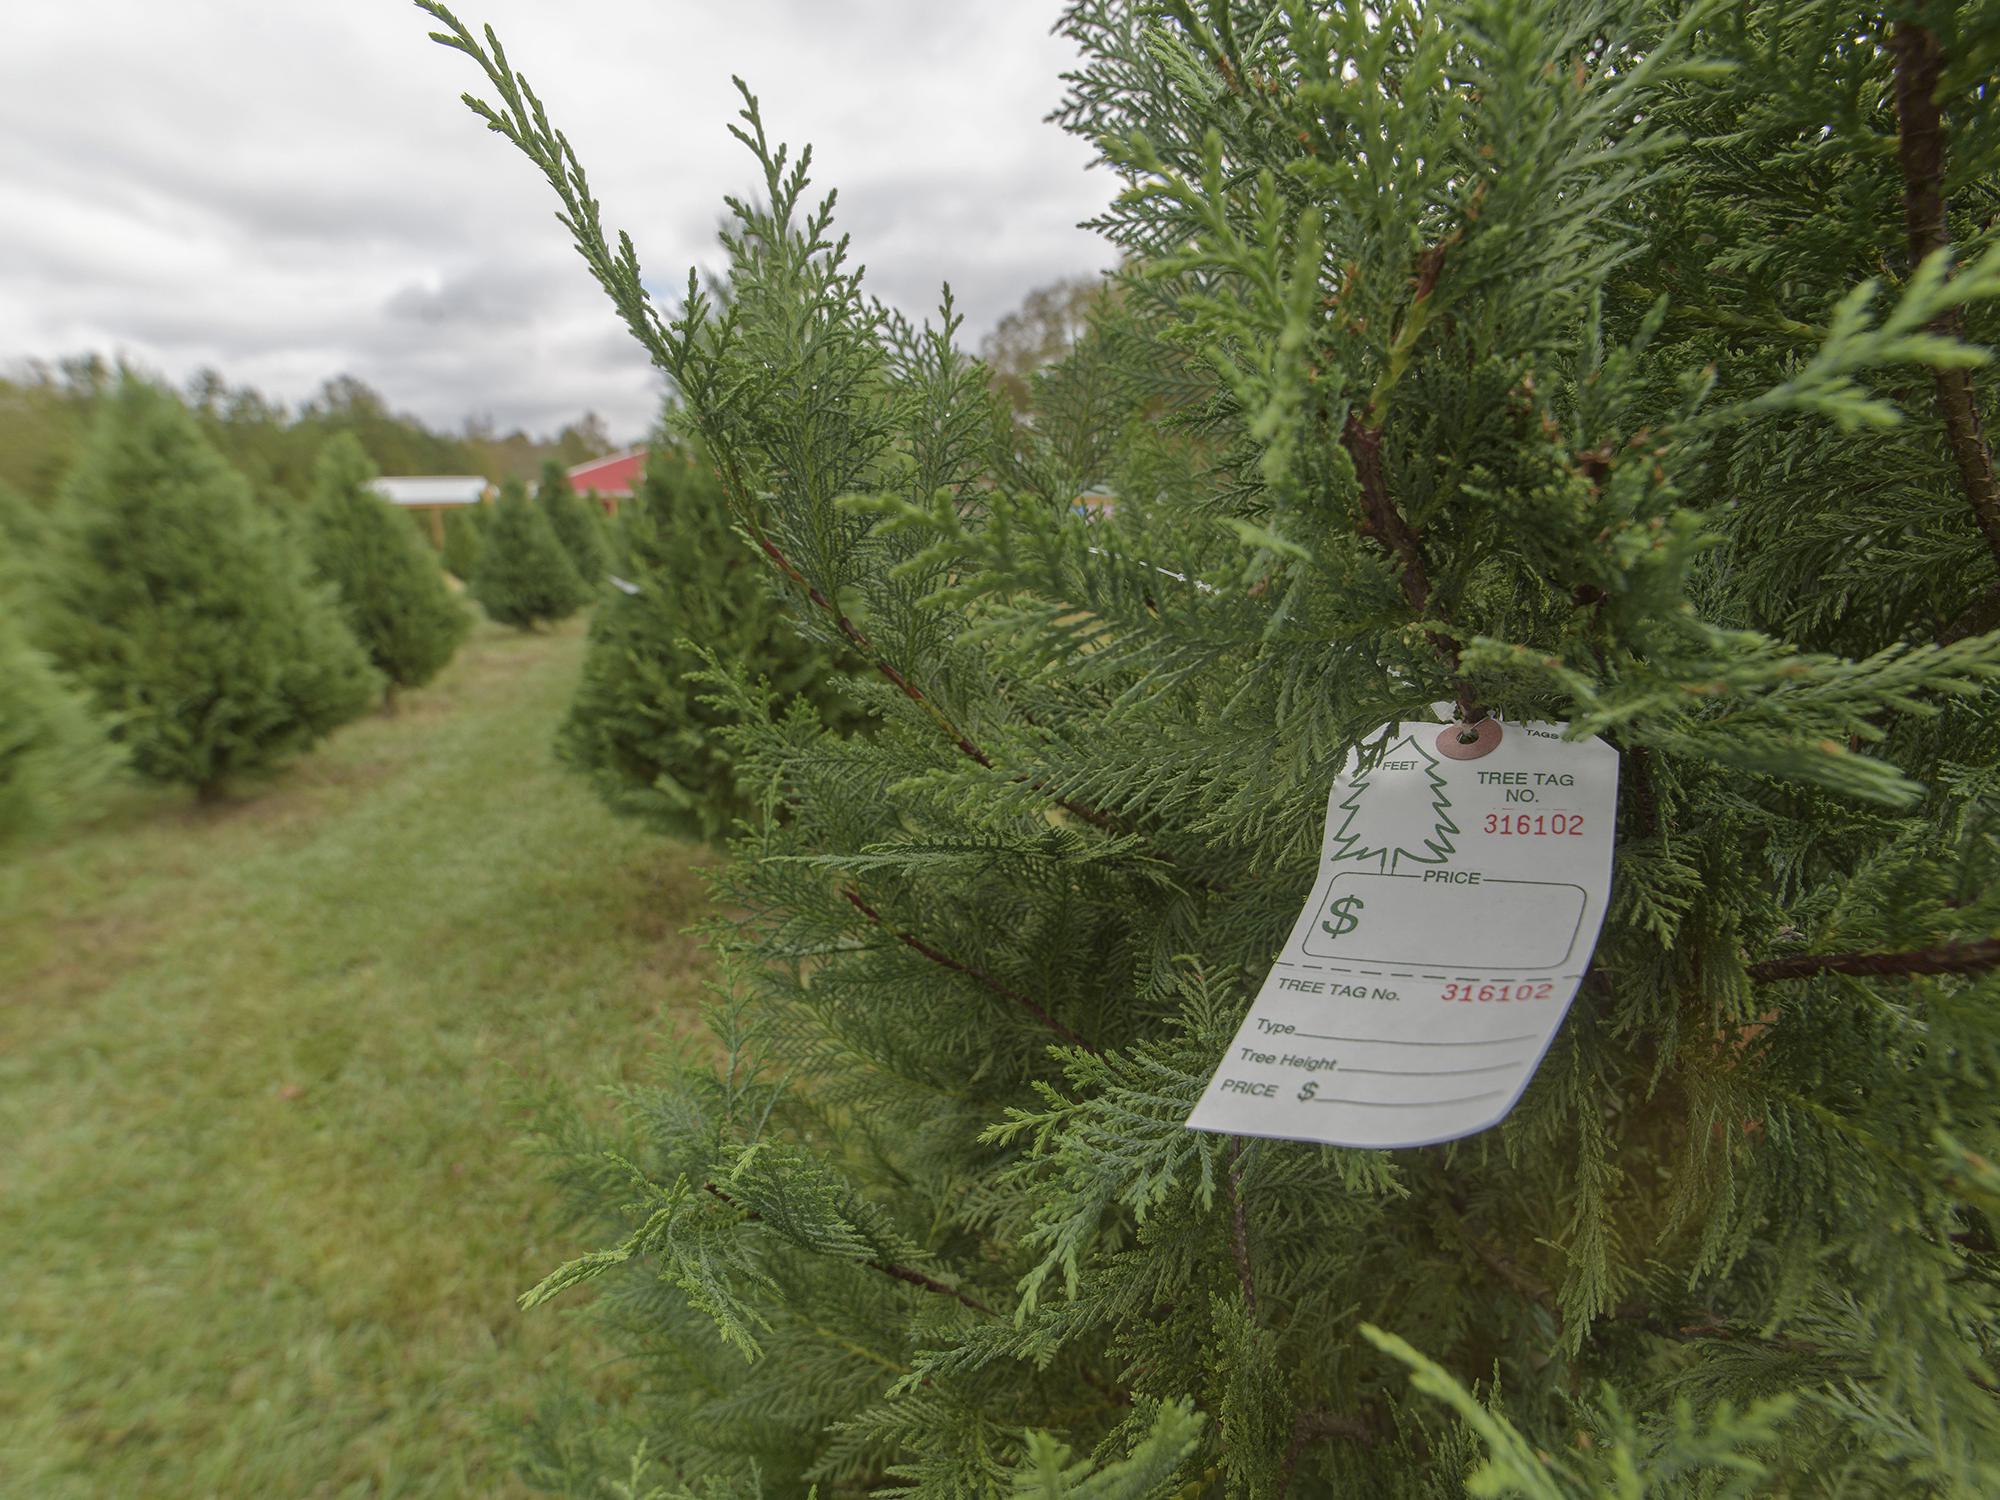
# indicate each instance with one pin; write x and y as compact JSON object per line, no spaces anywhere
{"x":523,"y":575}
{"x":389,"y":584}
{"x":1623,"y":364}
{"x":184,"y":611}
{"x":461,"y":542}
{"x":577,"y":525}
{"x":642,"y":723}
{"x":54,"y":753}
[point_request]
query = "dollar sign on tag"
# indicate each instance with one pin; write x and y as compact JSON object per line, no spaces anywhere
{"x":1343,"y":914}
{"x":1308,"y":1091}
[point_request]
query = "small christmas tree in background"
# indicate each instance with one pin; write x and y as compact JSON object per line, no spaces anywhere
{"x":642,"y":724}
{"x":54,"y":754}
{"x":389,"y":584}
{"x":179,"y":605}
{"x":523,"y":576}
{"x":1597,"y":363}
{"x":461,"y":542}
{"x":577,"y":525}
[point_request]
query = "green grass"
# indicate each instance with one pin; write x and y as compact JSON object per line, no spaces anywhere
{"x":263,"y":1214}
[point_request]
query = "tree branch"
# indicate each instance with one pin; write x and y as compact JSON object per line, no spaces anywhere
{"x":1980,"y":616}
{"x":910,"y":690}
{"x":1239,"y":1230}
{"x":1383,"y":523}
{"x":1919,"y":65}
{"x":985,"y":981}
{"x":866,"y":647}
{"x":1946,"y":958}
{"x":886,"y":1267}
{"x":1313,"y":1426}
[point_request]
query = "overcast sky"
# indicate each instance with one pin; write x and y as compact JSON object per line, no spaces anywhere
{"x":288,"y":190}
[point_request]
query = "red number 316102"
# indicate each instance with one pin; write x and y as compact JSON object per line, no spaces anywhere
{"x":1467,"y":991}
{"x":1545,"y":824}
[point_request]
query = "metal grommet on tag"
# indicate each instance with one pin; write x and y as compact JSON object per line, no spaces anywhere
{"x":1485,"y":740}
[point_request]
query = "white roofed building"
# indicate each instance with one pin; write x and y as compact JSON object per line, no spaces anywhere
{"x":433,"y":494}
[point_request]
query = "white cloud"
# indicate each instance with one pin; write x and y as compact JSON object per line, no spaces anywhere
{"x":292,"y":191}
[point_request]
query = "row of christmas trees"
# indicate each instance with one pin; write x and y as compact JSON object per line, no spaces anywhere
{"x":160,"y":618}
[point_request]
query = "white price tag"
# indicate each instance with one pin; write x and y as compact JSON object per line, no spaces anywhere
{"x":1460,"y":892}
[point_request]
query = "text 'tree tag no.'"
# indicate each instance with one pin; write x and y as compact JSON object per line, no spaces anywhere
{"x":1456,"y":908}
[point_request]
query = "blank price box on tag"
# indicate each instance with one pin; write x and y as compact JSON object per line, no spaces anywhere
{"x":1495,"y":925}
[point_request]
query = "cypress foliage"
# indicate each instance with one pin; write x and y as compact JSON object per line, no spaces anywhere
{"x":577,"y":525}
{"x":642,"y":724}
{"x":1607,"y":363}
{"x":461,"y":542}
{"x":523,"y":575}
{"x":388,"y":580}
{"x":189,"y":617}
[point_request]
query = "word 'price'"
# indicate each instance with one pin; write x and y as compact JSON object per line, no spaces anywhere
{"x":1533,"y":823}
{"x":1461,"y":990}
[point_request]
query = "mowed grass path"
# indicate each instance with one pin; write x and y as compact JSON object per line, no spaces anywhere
{"x":263,"y":1210}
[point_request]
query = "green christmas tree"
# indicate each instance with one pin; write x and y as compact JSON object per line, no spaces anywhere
{"x":24,"y":532}
{"x":523,"y":576}
{"x":1605,"y":363}
{"x":55,"y":753}
{"x":642,"y":724}
{"x":176,"y":602}
{"x":55,"y":756}
{"x":390,"y":588}
{"x":461,"y":542}
{"x":577,"y":525}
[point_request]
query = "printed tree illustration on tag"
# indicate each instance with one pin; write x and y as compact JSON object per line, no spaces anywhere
{"x":1394,"y":815}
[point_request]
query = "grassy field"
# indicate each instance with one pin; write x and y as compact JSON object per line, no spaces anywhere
{"x":263,"y":1216}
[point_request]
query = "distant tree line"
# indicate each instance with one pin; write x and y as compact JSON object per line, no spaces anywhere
{"x":46,"y":410}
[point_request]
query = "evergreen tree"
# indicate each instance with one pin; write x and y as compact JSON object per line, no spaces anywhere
{"x":54,"y":753}
{"x":188,"y":616}
{"x":387,"y":579}
{"x":523,"y":575}
{"x":1600,"y":363}
{"x":461,"y":542}
{"x":24,"y":533}
{"x":642,"y":724}
{"x":577,"y":525}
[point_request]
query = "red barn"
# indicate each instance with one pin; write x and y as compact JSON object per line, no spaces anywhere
{"x":610,"y":479}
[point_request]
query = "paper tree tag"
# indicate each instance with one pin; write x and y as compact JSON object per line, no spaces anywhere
{"x":1460,"y":892}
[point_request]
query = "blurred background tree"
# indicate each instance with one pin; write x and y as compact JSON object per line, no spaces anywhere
{"x":578,"y":525}
{"x":523,"y":576}
{"x":461,"y":540}
{"x":646,"y":725}
{"x":184,"y":609}
{"x":1036,"y":334}
{"x":391,"y":588}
